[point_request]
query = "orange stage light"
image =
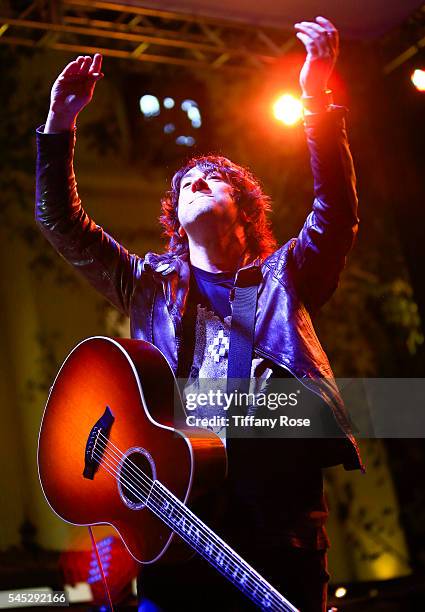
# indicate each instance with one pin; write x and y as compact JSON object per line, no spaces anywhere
{"x":288,"y":109}
{"x":418,"y":79}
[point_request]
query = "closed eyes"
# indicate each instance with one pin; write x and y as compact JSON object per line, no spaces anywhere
{"x":214,"y":176}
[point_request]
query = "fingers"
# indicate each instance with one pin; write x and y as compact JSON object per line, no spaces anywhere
{"x":314,"y":38}
{"x":321,"y":24}
{"x":71,"y":69}
{"x":307,"y":42}
{"x":328,"y":25}
{"x":96,"y":66}
{"x":319,"y":38}
{"x":84,"y":65}
{"x":91,"y":66}
{"x":331,"y":30}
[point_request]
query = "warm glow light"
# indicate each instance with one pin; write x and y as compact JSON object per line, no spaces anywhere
{"x":149,"y":105}
{"x":387,"y":566}
{"x":168,"y":103}
{"x":418,"y":79}
{"x":288,"y":109}
{"x":340,"y":592}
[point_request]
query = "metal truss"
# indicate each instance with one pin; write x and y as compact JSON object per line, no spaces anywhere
{"x":141,"y":34}
{"x":409,"y":40}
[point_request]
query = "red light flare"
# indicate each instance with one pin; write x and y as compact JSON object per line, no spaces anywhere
{"x":282,"y":77}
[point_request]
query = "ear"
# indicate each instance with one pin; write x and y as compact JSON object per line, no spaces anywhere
{"x":181,"y":232}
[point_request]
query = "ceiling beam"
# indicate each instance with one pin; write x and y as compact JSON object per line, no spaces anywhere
{"x":127,"y":32}
{"x":408,"y":40}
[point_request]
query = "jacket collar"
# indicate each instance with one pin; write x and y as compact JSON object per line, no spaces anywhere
{"x":166,"y":264}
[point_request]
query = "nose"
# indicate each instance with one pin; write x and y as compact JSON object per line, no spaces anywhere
{"x":199,"y":184}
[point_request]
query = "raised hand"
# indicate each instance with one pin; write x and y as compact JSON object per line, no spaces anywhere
{"x":72,"y":91}
{"x":321,"y":41}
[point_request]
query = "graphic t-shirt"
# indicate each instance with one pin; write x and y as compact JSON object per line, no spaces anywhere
{"x":262,"y":491}
{"x":212,"y":290}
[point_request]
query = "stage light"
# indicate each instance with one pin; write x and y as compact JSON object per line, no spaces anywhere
{"x":418,"y":79}
{"x":168,"y":103}
{"x":340,"y":592}
{"x":149,"y":105}
{"x":288,"y":109}
{"x":81,"y":566}
{"x":195,"y":116}
{"x":185,"y":140}
{"x":187,"y":105}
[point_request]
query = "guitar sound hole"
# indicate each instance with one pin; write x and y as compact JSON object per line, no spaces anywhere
{"x":135,"y":479}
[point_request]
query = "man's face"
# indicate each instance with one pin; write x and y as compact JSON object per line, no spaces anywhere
{"x":205,"y":196}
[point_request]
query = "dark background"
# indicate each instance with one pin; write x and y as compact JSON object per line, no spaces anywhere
{"x":372,"y":327}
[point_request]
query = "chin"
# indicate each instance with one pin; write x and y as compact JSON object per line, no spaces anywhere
{"x":201,"y":212}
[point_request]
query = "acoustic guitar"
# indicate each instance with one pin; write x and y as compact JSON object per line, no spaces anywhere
{"x":111,"y":450}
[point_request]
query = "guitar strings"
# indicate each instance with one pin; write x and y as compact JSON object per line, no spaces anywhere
{"x":166,"y":494}
{"x":249,"y":581}
{"x":137,"y":472}
{"x":231,"y":556}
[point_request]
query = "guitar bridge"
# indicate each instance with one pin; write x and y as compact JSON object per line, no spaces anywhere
{"x":96,"y":447}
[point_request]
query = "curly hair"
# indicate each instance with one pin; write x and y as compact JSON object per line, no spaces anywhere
{"x":248,"y":195}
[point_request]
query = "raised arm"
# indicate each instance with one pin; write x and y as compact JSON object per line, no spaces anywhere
{"x":62,"y":219}
{"x":329,"y":231}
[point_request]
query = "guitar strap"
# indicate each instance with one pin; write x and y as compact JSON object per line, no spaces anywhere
{"x":99,"y":562}
{"x":244,"y":307}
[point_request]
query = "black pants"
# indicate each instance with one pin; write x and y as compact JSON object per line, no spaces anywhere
{"x":298,"y":574}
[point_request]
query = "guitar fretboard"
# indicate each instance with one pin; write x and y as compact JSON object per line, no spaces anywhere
{"x":212,"y":548}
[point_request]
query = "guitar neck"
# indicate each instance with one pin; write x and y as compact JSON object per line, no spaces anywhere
{"x":212,"y":548}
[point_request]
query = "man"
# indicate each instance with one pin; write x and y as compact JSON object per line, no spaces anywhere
{"x":273,"y":511}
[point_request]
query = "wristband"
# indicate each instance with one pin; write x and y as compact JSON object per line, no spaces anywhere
{"x":319,"y":102}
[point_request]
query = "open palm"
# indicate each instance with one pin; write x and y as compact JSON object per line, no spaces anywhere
{"x":321,"y":41}
{"x":74,"y":87}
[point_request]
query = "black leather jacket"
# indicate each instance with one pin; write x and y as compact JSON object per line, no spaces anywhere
{"x":297,"y":278}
